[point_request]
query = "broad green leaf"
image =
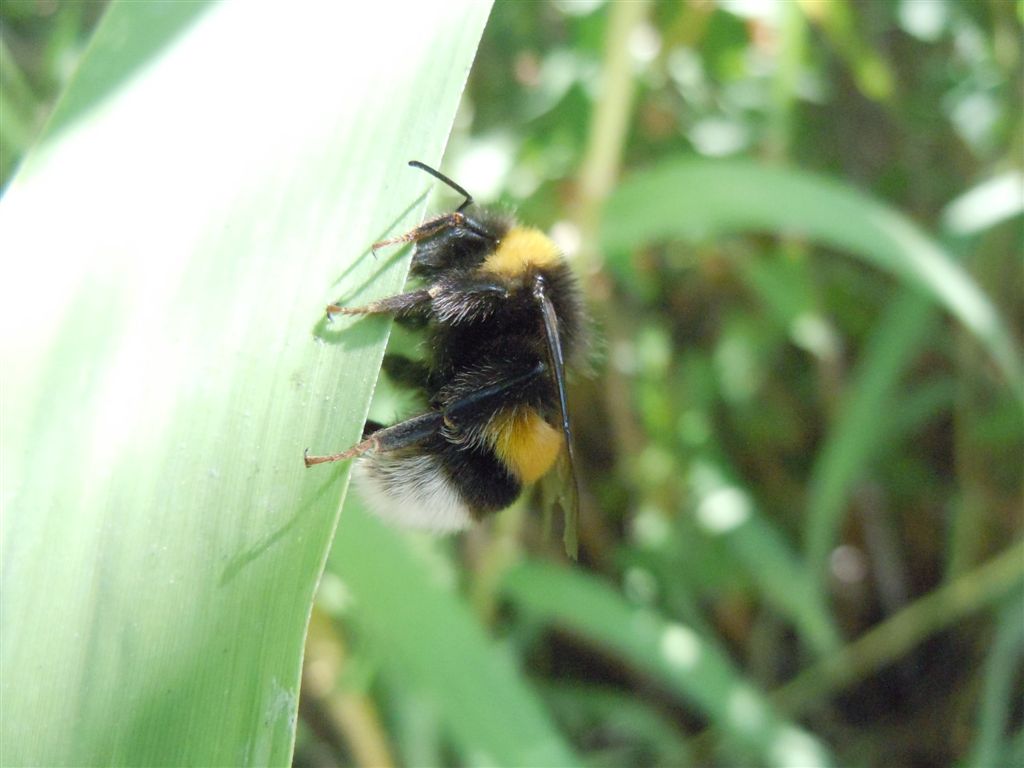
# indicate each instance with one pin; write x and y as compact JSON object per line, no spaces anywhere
{"x":688,"y":198}
{"x":211,"y":179}
{"x":683,"y":662}
{"x":403,"y":597}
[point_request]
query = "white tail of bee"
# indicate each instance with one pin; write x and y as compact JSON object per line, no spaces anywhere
{"x":411,"y":491}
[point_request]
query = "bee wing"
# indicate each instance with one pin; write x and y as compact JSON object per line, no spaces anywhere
{"x":556,"y":494}
{"x":561,"y":495}
{"x":567,"y":461}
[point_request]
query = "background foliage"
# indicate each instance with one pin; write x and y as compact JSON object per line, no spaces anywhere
{"x":800,"y":228}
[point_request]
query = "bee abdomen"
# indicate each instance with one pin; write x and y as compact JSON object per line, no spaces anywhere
{"x":524,"y":442}
{"x":413,"y":491}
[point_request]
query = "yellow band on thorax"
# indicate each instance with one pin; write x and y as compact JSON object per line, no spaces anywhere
{"x":520,"y":249}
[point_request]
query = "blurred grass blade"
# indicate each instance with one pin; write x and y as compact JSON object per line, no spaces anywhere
{"x":727,"y":510}
{"x":986,"y":205}
{"x":171,"y":244}
{"x":724,"y":510}
{"x":1014,"y":751}
{"x":17,"y":110}
{"x":403,"y":598}
{"x":864,"y":422}
{"x":604,"y":713}
{"x":692,"y":198}
{"x":1000,"y":696}
{"x":871,"y":72}
{"x":684,"y":663}
{"x":994,"y":581}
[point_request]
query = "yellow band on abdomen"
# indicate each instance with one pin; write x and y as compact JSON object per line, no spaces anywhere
{"x":525,"y":443}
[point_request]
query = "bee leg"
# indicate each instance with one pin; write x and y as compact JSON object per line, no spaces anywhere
{"x":402,"y":435}
{"x":428,"y":228}
{"x":467,"y":300}
{"x":417,"y":429}
{"x":407,"y":372}
{"x":411,"y":303}
{"x":414,"y":431}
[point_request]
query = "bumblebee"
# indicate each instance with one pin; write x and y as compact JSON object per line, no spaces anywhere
{"x":501,"y":313}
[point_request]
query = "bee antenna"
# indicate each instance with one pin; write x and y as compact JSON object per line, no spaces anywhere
{"x":441,"y":177}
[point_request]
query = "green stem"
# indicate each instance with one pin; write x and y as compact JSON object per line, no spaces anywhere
{"x":599,"y":171}
{"x":602,"y":159}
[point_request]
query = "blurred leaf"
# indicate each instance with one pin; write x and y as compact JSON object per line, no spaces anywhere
{"x":605,"y":715}
{"x":17,"y":110}
{"x":985,"y":205}
{"x":700,"y":199}
{"x":864,"y":421}
{"x":784,"y":284}
{"x":403,"y":597}
{"x":945,"y":606}
{"x":684,"y":663}
{"x":917,"y":407}
{"x":1014,"y":751}
{"x":726,"y":510}
{"x":871,"y":72}
{"x":171,"y":245}
{"x":1000,"y":695}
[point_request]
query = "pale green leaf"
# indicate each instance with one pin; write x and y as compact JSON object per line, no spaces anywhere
{"x":210,"y":181}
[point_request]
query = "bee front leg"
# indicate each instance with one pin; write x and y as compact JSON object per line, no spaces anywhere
{"x":425,"y":230}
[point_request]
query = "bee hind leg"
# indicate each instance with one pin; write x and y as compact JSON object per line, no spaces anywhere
{"x":402,"y":435}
